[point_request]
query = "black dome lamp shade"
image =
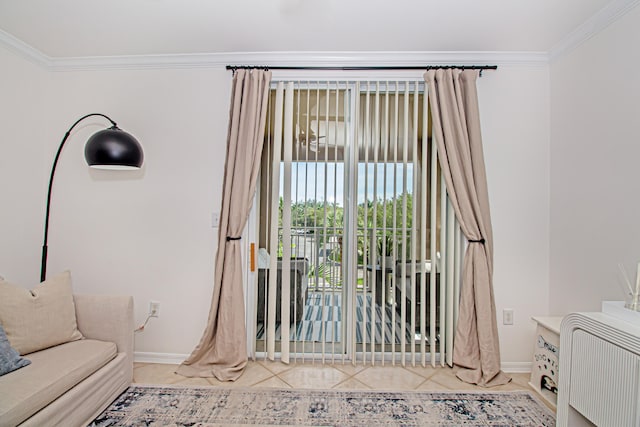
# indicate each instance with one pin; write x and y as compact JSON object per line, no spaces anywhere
{"x":113,"y":149}
{"x":110,"y":148}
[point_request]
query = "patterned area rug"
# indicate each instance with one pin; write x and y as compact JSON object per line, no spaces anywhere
{"x":211,"y":406}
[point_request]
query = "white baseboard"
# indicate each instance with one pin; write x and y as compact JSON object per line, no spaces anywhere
{"x":165,"y":358}
{"x":516,"y":367}
{"x":176,"y":359}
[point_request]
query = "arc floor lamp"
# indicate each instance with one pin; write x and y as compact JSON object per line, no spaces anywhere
{"x":110,"y":148}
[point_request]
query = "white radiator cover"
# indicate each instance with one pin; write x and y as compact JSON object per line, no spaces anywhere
{"x":599,"y":371}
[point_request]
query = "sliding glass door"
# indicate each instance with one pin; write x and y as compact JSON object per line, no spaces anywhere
{"x":355,"y":261}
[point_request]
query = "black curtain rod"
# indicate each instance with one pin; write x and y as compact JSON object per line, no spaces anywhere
{"x":359,"y":68}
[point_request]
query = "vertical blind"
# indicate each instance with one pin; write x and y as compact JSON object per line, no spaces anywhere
{"x":351,"y":191}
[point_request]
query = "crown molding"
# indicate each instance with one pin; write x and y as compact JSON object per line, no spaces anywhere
{"x":312,"y":59}
{"x":24,"y":50}
{"x":598,"y":22}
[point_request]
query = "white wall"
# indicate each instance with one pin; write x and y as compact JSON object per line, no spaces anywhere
{"x":22,"y":188}
{"x":595,"y":174}
{"x":145,"y":233}
{"x":514,"y":110}
{"x":148,"y":233}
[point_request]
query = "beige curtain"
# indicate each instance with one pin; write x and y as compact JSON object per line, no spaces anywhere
{"x":222,"y":351}
{"x":456,"y":127}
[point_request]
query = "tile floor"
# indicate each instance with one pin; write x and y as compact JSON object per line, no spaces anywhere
{"x":317,"y":376}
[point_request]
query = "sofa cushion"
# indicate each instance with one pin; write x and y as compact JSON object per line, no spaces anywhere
{"x":39,"y":318}
{"x":51,"y":373}
{"x":10,"y":360}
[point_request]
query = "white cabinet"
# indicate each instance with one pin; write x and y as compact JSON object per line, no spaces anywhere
{"x":546,"y":358}
{"x":599,"y":371}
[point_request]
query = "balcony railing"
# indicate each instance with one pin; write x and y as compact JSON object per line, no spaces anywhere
{"x":323,"y":250}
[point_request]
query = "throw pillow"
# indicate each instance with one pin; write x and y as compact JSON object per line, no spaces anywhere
{"x":39,"y":318}
{"x":10,"y":360}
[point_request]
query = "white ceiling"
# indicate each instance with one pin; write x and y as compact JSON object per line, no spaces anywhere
{"x":82,"y":28}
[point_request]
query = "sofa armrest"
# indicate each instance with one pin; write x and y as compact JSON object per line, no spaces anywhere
{"x":107,"y":318}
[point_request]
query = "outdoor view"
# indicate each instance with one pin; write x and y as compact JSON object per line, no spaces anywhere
{"x":317,"y":218}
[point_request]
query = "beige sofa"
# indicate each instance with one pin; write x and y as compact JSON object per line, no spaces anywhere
{"x":72,"y":383}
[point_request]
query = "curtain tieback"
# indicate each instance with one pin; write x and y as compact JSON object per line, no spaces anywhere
{"x":481,"y":241}
{"x":232,"y":238}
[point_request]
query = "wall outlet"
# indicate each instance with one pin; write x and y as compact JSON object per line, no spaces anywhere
{"x":507,"y":316}
{"x":215,"y":219}
{"x":154,"y":309}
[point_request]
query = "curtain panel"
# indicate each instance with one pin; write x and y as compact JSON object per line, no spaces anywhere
{"x":222,"y":351}
{"x":456,"y":128}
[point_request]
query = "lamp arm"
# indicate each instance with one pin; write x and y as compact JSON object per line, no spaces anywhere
{"x":43,"y":265}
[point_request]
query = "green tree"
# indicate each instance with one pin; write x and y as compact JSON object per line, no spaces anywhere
{"x":314,"y":215}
